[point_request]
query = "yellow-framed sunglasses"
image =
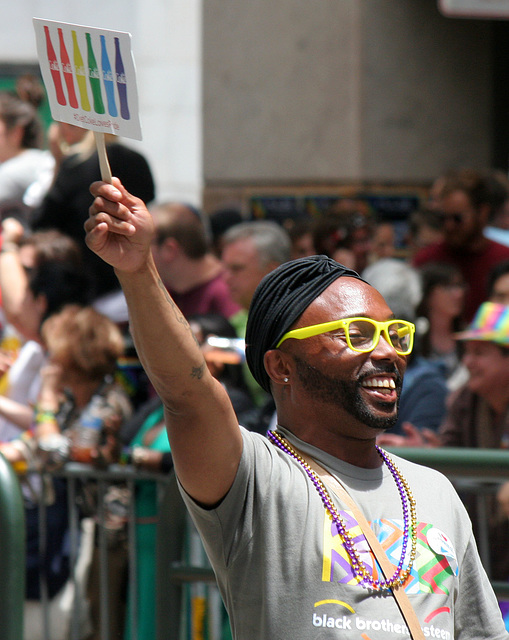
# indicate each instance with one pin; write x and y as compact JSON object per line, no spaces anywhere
{"x":362,"y":334}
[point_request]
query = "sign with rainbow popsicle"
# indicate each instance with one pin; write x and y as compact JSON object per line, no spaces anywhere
{"x":90,"y":77}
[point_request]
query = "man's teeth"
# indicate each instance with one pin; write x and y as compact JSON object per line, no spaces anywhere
{"x":387,"y":383}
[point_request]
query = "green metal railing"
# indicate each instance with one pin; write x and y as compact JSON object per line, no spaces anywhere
{"x":479,"y":471}
{"x":484,"y":464}
{"x":12,"y":556}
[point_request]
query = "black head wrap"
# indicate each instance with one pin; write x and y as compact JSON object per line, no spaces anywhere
{"x":280,"y":299}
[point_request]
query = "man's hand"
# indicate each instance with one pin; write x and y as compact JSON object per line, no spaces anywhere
{"x":119,"y":228}
{"x":413,"y":437}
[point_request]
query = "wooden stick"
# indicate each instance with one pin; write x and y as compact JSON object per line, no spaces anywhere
{"x":103,"y":156}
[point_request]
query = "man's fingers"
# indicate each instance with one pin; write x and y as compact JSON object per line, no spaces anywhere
{"x":114,"y":192}
{"x":110,"y":191}
{"x":102,"y":221}
{"x":116,"y":209}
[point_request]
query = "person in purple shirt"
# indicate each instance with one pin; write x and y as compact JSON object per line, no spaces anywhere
{"x":191,"y":272}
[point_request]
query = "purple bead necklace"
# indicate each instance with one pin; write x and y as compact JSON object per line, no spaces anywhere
{"x":362,"y":572}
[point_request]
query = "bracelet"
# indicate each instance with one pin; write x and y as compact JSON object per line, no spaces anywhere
{"x":44,"y":416}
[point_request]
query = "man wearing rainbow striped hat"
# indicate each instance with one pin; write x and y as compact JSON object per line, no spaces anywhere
{"x":478,"y":414}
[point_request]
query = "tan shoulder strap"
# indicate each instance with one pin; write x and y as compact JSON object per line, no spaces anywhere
{"x":387,"y":568}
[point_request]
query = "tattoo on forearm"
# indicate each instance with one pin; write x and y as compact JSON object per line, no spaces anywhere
{"x":178,"y":314}
{"x":197,"y":372}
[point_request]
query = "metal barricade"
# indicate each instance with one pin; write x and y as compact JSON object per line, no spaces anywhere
{"x":476,"y":471}
{"x":188,"y":602}
{"x":12,"y":556}
{"x":180,"y":559}
{"x":77,"y":473}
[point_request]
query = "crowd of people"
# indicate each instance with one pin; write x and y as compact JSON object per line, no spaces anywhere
{"x":248,"y":291}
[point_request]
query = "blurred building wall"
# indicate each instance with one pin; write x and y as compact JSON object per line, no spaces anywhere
{"x":292,"y":92}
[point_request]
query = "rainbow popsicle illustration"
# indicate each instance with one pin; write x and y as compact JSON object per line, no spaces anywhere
{"x":107,"y":75}
{"x":54,"y":66}
{"x":121,"y":82}
{"x":94,"y":77}
{"x":67,"y":71}
{"x":81,"y":77}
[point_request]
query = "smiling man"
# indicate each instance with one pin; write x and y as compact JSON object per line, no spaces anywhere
{"x":289,"y":554}
{"x":478,"y":414}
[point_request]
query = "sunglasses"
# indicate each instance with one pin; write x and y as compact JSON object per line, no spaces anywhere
{"x":456,"y":218}
{"x":362,"y":334}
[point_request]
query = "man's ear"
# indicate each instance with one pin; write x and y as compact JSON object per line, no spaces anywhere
{"x":278,"y":366}
{"x":169,"y":249}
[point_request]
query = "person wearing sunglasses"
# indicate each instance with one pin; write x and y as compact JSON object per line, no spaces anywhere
{"x":465,"y":201}
{"x":290,"y":555}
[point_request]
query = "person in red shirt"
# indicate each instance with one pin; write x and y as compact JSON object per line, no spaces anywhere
{"x":465,"y":203}
{"x":192,"y":273}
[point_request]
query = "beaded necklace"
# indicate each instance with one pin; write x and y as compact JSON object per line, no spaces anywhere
{"x":361,"y":572}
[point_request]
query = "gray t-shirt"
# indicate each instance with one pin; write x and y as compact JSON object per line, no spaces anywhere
{"x":283,"y":573}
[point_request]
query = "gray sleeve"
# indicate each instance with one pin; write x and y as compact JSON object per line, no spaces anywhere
{"x":477,"y":612}
{"x":232,"y":523}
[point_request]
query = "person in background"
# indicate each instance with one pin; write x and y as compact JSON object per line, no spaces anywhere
{"x":65,"y":205}
{"x":479,"y":411}
{"x":384,"y":242}
{"x":345,"y":234}
{"x":52,"y":284}
{"x":83,"y":347}
{"x":250,"y":251}
{"x":301,"y":237}
{"x":424,"y":228}
{"x":63,"y":140}
{"x":498,"y":224}
{"x":478,"y":414}
{"x":22,"y":158}
{"x":398,"y":282}
{"x":440,"y":314}
{"x":220,"y":220}
{"x":498,"y":283}
{"x":21,"y":253}
{"x":331,"y":237}
{"x":465,"y":205}
{"x":262,"y":505}
{"x":191,"y":272}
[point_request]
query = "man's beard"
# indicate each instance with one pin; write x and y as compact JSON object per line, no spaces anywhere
{"x":346,"y":394}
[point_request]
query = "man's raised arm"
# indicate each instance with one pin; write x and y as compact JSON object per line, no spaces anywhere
{"x":202,"y":427}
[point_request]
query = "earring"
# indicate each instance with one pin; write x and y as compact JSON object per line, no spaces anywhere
{"x":286,"y":380}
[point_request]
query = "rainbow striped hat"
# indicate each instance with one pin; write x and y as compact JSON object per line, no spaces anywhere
{"x":490,"y":323}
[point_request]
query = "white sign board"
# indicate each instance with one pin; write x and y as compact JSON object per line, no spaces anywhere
{"x":490,"y":9}
{"x":89,"y":76}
